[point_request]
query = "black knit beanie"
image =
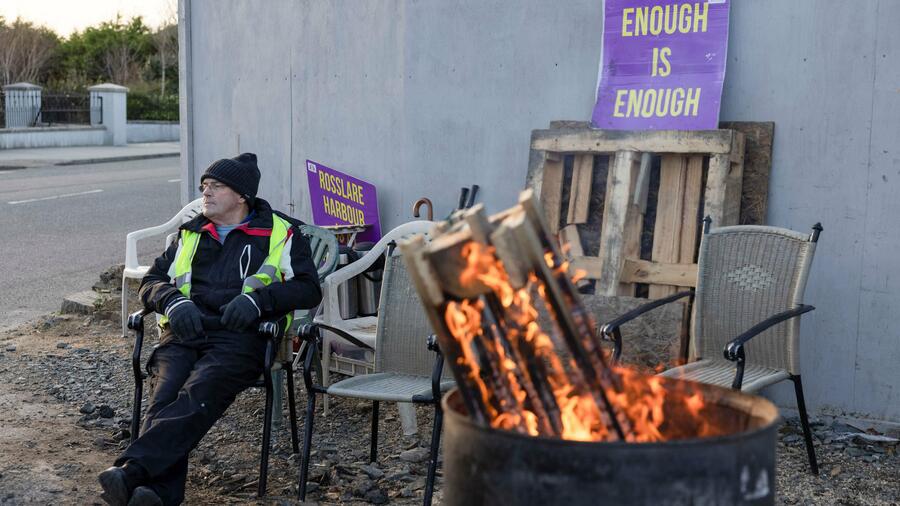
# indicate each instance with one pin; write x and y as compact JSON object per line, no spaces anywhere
{"x":240,"y":173}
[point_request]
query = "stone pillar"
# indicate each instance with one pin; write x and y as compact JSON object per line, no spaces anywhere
{"x":23,"y":104}
{"x":108,"y":109}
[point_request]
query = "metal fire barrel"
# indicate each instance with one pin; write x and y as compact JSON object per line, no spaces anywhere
{"x":489,"y":466}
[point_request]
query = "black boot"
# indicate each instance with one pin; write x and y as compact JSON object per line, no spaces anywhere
{"x":119,"y":482}
{"x":144,"y":496}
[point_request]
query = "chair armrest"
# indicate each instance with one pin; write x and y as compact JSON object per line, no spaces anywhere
{"x":734,"y":350}
{"x":356,"y":268}
{"x":313,"y":338}
{"x":735,"y":347}
{"x":271,"y":332}
{"x":131,"y":261}
{"x":610,"y":330}
{"x":132,"y":238}
{"x":436,"y":372}
{"x":438,"y":369}
{"x":344,"y":335}
{"x":136,"y":323}
{"x":136,"y":319}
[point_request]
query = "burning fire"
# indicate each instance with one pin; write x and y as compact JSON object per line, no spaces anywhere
{"x":530,"y":381}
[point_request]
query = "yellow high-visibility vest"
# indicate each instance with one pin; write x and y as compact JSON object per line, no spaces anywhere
{"x":269,"y":272}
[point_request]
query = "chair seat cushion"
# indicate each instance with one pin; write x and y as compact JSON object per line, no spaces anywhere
{"x":386,"y":386}
{"x":721,"y":373}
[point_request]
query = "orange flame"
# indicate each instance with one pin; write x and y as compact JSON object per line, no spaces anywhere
{"x":643,"y":400}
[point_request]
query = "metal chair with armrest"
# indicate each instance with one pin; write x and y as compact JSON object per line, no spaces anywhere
{"x":278,"y":359}
{"x":750,"y":280}
{"x":273,"y":332}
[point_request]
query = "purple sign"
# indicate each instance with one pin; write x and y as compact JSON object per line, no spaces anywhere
{"x":662,"y":66}
{"x":340,"y":199}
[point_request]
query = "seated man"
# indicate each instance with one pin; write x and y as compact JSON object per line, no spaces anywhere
{"x":239,"y":262}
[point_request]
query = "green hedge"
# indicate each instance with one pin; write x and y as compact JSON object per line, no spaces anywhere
{"x":145,"y":106}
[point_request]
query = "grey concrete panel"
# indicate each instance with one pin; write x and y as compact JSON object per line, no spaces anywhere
{"x":479,"y":76}
{"x":877,"y":382}
{"x":811,"y":71}
{"x":347,"y":97}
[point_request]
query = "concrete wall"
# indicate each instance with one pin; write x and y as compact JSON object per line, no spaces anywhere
{"x":50,"y":137}
{"x":826,"y":73}
{"x":153,"y":131}
{"x":421,"y":97}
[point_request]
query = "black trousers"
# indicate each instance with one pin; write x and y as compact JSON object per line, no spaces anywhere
{"x":196,"y":381}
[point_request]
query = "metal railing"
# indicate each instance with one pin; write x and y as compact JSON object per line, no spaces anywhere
{"x":20,"y":110}
{"x":67,"y":109}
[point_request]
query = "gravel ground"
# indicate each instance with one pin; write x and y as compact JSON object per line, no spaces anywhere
{"x":66,"y":382}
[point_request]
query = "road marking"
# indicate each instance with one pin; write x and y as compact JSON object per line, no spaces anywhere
{"x":53,"y":197}
{"x":174,"y":181}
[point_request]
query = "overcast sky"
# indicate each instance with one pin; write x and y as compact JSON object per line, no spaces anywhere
{"x":66,"y":16}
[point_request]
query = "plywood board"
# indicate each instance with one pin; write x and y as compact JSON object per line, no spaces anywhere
{"x":759,"y":138}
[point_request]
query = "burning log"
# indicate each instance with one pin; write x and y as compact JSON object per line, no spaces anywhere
{"x":483,"y":281}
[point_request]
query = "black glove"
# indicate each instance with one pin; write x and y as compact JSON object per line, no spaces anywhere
{"x":184,"y":319}
{"x":240,"y":312}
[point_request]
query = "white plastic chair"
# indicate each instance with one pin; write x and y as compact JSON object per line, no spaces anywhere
{"x":135,"y":271}
{"x":363,"y":328}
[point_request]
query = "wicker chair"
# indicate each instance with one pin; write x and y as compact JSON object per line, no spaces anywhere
{"x":357,"y":332}
{"x":750,"y":279}
{"x":405,"y":369}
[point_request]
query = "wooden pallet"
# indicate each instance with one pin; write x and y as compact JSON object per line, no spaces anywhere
{"x":697,"y":168}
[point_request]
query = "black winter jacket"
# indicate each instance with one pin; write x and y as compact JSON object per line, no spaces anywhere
{"x":216,"y":272}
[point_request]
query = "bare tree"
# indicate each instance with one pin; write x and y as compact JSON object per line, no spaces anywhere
{"x":25,"y":51}
{"x":166,"y":41}
{"x":120,"y":63}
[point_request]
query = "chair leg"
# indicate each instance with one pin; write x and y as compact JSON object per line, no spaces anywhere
{"x":435,"y":447}
{"x":292,"y":406}
{"x":136,"y":408}
{"x":373,"y":449}
{"x":277,"y":396}
{"x":267,"y":435}
{"x":307,"y":442}
{"x":807,"y":433}
{"x":326,"y":373}
{"x":124,"y":306}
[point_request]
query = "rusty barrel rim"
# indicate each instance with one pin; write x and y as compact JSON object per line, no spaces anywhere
{"x":762,"y":408}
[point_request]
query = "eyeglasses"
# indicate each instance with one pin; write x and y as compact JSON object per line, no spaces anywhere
{"x":213,"y":187}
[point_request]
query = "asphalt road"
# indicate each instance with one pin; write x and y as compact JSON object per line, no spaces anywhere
{"x":62,"y":226}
